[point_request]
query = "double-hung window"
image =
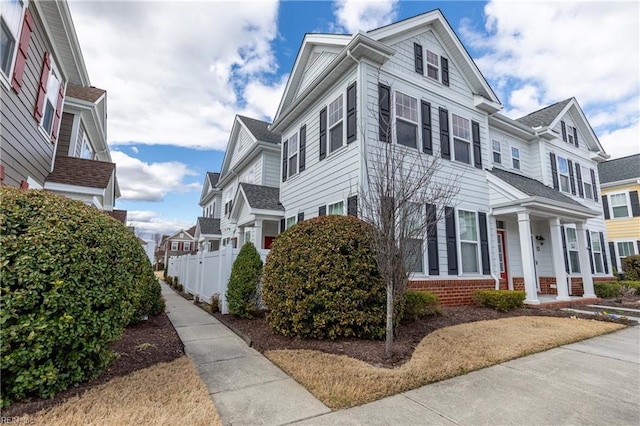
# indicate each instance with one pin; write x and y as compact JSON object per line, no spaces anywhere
{"x":10,"y":20}
{"x":186,"y":246}
{"x":515,"y":157}
{"x":336,"y":208}
{"x":174,"y":245}
{"x":335,"y":124}
{"x":468,"y":229}
{"x":292,"y":154}
{"x":433,"y":68}
{"x":291,"y":220}
{"x":572,"y":248}
{"x":563,"y":172}
{"x":413,"y":221}
{"x":619,"y":205}
{"x":461,"y":138}
{"x":87,"y":151}
{"x":570,"y":130}
{"x":407,"y":120}
{"x":625,"y":248}
{"x":586,"y":183}
{"x":497,"y":153}
{"x":596,"y":250}
{"x":51,"y":99}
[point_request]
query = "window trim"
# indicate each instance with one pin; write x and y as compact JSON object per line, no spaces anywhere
{"x":595,"y":239}
{"x":514,"y":158}
{"x":186,"y":246}
{"x":6,"y":79}
{"x":586,"y":180}
{"x":569,"y":129}
{"x":333,"y":204}
{"x":295,"y":154}
{"x":174,"y":244}
{"x":286,"y":221}
{"x":469,"y":141}
{"x":619,"y":257}
{"x":576,"y":250}
{"x":561,"y":175}
{"x":397,"y":117}
{"x":460,"y":241}
{"x":494,"y":152}
{"x":330,"y":126}
{"x":627,"y":205}
{"x":429,"y":64}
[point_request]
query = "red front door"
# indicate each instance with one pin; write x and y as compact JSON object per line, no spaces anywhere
{"x":503,"y":255}
{"x":267,"y":242}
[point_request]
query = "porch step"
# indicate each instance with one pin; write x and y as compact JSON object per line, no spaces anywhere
{"x":613,"y":308}
{"x":580,"y":311}
{"x":544,"y":304}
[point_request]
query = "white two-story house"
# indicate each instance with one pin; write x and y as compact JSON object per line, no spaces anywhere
{"x":525,"y":215}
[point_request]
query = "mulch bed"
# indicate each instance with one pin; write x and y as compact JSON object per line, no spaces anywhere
{"x":135,"y":354}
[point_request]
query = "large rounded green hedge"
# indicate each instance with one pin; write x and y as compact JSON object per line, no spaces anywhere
{"x":72,"y":278}
{"x":321,"y":280}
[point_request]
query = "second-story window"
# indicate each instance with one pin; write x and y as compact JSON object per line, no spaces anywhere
{"x":10,"y":19}
{"x":515,"y":158}
{"x":563,"y":173}
{"x":293,"y":155}
{"x":432,"y":65}
{"x":461,"y":138}
{"x":619,"y":205}
{"x":586,"y":183}
{"x":87,"y":151}
{"x":407,"y":120}
{"x":497,"y":154}
{"x":335,"y":124}
{"x":53,"y":87}
{"x":570,"y":134}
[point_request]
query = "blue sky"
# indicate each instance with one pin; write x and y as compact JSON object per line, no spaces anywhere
{"x":177,"y":72}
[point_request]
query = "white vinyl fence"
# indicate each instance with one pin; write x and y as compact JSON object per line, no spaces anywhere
{"x":206,"y":273}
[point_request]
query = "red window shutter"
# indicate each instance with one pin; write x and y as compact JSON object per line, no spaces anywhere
{"x":1,"y":173}
{"x":42,"y":88}
{"x":24,"y":185}
{"x":23,"y":50}
{"x":56,"y":118}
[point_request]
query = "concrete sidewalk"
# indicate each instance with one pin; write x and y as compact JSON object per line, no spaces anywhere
{"x":246,"y":388}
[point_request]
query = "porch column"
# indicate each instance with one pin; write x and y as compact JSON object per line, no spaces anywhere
{"x":240,"y":236}
{"x":530,"y":288}
{"x":583,"y":254}
{"x":558,"y":259}
{"x":258,"y":229}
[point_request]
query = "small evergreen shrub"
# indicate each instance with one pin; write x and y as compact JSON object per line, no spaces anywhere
{"x":321,"y":281}
{"x":607,"y":290}
{"x":419,"y":304}
{"x":179,"y":287}
{"x":500,"y":300}
{"x":243,"y":282}
{"x":631,"y":266}
{"x":214,"y":306}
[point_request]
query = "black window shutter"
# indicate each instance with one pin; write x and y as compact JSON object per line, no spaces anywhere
{"x":484,"y":244}
{"x":452,"y":244}
{"x":323,"y":133}
{"x":384,"y":116}
{"x":352,"y":133}
{"x":605,"y":206}
{"x":282,"y":225}
{"x":638,"y":245}
{"x":322,"y":211}
{"x":564,"y":131}
{"x":427,"y":143}
{"x":432,"y":241}
{"x":564,"y":249}
{"x":612,"y":253}
{"x":593,"y":271}
{"x":575,"y":137}
{"x":285,"y":150}
{"x":352,"y":206}
{"x":635,"y":204}
{"x":300,"y":216}
{"x":444,"y":62}
{"x":417,"y":53}
{"x":477,"y":148}
{"x":303,"y":148}
{"x":604,"y":253}
{"x":579,"y":178}
{"x":445,"y":146}
{"x":572,"y":180}
{"x":593,"y":184}
{"x":554,"y":170}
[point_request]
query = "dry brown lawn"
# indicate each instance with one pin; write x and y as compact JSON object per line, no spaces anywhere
{"x":167,"y":393}
{"x":342,"y":382}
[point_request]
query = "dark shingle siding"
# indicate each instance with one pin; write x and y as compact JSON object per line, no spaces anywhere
{"x":262,"y":197}
{"x":545,"y":116}
{"x":260,"y":129}
{"x":533,"y":188}
{"x":620,"y":169}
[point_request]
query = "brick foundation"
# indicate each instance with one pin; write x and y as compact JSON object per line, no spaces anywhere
{"x":453,"y":292}
{"x":518,"y":283}
{"x":547,"y":282}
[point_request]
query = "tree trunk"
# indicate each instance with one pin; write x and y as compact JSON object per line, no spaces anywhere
{"x":388,"y":349}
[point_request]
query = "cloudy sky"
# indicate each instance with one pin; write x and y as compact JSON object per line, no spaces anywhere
{"x":177,"y":72}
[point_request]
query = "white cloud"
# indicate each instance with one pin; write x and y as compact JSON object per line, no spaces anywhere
{"x":141,"y":181}
{"x":147,"y":223}
{"x":177,"y":75}
{"x":538,"y":53}
{"x":365,"y":15}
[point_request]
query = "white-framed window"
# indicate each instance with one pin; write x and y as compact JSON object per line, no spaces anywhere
{"x":186,"y":246}
{"x":625,"y":248}
{"x":291,"y":220}
{"x":596,"y":251}
{"x":572,"y":249}
{"x":336,"y":208}
{"x":174,"y":245}
{"x":292,"y":155}
{"x":336,"y":111}
{"x":586,"y":182}
{"x":433,"y":65}
{"x":563,"y":174}
{"x":51,"y":99}
{"x":87,"y":150}
{"x":469,"y":241}
{"x":406,"y":120}
{"x":570,"y":134}
{"x":497,"y":153}
{"x":461,"y":138}
{"x":619,"y":205}
{"x":413,"y":221}
{"x":11,"y":16}
{"x":515,"y":158}
{"x":248,"y":235}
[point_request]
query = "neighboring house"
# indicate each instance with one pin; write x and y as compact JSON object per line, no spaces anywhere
{"x":250,"y":174}
{"x":527,"y":215}
{"x":53,"y":130}
{"x":620,"y":182}
{"x":208,"y":234}
{"x":179,"y":243}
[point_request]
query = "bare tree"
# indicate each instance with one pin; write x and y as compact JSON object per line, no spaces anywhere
{"x":403,"y":197}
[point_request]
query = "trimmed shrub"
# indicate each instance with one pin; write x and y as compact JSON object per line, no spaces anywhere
{"x":419,"y":304}
{"x":321,"y":281}
{"x":243,"y":282}
{"x":612,"y":289}
{"x":500,"y":300}
{"x":214,"y":306}
{"x":631,"y":266}
{"x":72,"y":279}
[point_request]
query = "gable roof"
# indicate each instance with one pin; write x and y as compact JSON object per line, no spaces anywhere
{"x":209,"y":226}
{"x":213,"y":178}
{"x":89,"y":94}
{"x":545,"y":116}
{"x":533,"y":188}
{"x":260,"y":129}
{"x":192,"y":231}
{"x":262,"y":197}
{"x":119,"y":215}
{"x":620,"y":169}
{"x":82,"y":172}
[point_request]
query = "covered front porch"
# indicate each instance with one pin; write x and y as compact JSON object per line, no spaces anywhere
{"x":256,"y":214}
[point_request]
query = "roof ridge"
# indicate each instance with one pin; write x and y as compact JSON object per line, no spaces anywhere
{"x":543,"y":108}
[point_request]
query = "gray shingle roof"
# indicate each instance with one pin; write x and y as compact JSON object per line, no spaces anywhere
{"x":213,"y":177}
{"x":262,"y":197}
{"x":533,"y":188}
{"x":260,"y":129}
{"x":543,"y":117}
{"x":209,"y":225}
{"x":620,"y":169}
{"x":82,"y":172}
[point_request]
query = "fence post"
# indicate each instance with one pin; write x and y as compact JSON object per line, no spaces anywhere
{"x":225,"y":271}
